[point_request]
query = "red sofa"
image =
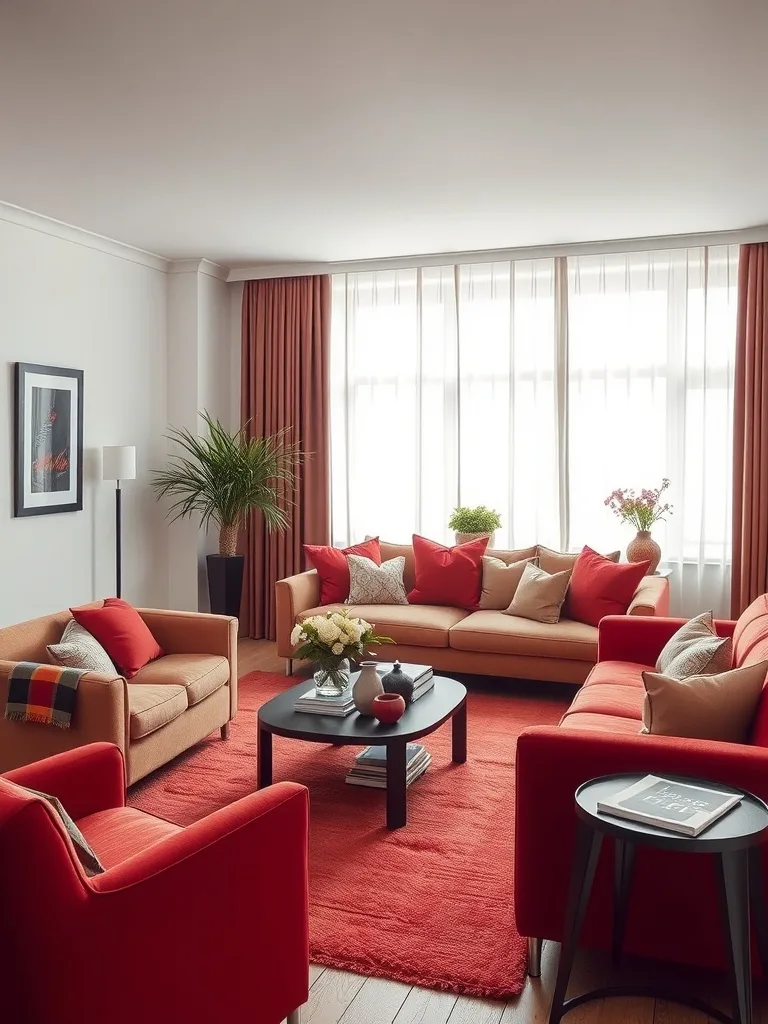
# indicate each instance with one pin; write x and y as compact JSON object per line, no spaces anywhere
{"x":673,"y":909}
{"x":194,"y":924}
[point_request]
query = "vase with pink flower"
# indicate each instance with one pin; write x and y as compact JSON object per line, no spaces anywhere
{"x":641,"y":511}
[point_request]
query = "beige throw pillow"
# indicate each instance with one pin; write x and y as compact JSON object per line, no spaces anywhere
{"x":500,"y":582}
{"x":696,"y":650}
{"x":705,"y":707}
{"x":539,"y":595}
{"x":376,"y":584}
{"x":558,"y":561}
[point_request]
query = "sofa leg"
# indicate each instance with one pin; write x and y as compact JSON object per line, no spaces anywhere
{"x":289,"y":672}
{"x":225,"y":731}
{"x":534,"y":958}
{"x":294,"y":1017}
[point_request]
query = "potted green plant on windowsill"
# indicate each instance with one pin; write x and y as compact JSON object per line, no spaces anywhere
{"x":473,"y":523}
{"x":221,"y":476}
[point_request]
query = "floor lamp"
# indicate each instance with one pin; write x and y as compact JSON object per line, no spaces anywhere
{"x":119,"y":464}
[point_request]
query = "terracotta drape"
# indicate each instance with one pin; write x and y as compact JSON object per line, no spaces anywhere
{"x":285,"y":383}
{"x":749,"y":574}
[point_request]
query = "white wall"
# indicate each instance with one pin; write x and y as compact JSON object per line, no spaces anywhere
{"x":65,"y":303}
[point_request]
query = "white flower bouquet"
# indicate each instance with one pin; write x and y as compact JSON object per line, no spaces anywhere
{"x":332,"y":640}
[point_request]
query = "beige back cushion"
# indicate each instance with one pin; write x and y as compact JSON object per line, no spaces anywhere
{"x":28,"y":641}
{"x":539,"y":595}
{"x":500,"y":581}
{"x":706,"y":707}
{"x":558,"y":561}
{"x":389,"y":550}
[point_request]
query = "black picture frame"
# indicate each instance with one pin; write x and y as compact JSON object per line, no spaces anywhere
{"x":48,"y":440}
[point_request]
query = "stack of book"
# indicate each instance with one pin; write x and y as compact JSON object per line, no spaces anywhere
{"x":313,"y":703}
{"x":422,"y":676}
{"x":370,"y":767}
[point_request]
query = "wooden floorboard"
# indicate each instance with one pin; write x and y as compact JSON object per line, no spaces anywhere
{"x":338,"y":997}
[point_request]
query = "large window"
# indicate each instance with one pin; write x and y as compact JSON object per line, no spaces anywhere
{"x":536,"y":387}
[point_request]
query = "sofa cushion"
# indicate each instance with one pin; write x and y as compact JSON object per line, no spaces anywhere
{"x":500,"y":581}
{"x":540,"y":595}
{"x":200,"y":674}
{"x":389,"y":550}
{"x":494,"y":632}
{"x":751,"y":628}
{"x":370,"y":583}
{"x":421,"y":625}
{"x":602,"y":723}
{"x":558,"y":561}
{"x":610,"y":700}
{"x":122,"y":633}
{"x":332,"y":568}
{"x":152,"y":707}
{"x":696,"y":649}
{"x":601,"y":587}
{"x":121,"y":832}
{"x":448,"y":576}
{"x":618,"y":673}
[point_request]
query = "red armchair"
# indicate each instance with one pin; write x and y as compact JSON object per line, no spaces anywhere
{"x":186,"y":924}
{"x":674,"y":909}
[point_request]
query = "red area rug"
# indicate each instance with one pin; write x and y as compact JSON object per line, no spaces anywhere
{"x":429,"y":904}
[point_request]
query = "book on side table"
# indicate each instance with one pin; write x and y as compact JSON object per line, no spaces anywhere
{"x":675,"y":806}
{"x":370,"y":767}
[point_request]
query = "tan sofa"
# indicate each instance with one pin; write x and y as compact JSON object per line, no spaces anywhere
{"x":168,"y":706}
{"x":482,"y":642}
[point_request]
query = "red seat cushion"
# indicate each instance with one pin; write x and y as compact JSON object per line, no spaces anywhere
{"x":609,"y":699}
{"x":602,"y":723}
{"x":333,"y":570}
{"x":121,"y":832}
{"x":122,"y":633}
{"x":600,"y":587}
{"x":447,"y":576}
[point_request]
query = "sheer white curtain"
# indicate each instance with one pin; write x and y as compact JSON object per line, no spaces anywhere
{"x":443,"y":393}
{"x":536,"y":389}
{"x":650,"y":395}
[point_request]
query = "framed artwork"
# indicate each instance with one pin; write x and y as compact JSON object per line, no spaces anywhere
{"x":48,"y":453}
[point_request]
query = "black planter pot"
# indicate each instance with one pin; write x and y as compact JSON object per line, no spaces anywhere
{"x":225,"y":583}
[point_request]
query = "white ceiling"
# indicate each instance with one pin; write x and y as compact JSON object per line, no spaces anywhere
{"x":254,"y":131}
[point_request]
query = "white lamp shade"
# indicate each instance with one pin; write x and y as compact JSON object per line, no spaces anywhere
{"x":119,"y":462}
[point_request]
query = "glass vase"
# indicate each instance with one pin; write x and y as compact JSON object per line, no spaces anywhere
{"x":332,"y":677}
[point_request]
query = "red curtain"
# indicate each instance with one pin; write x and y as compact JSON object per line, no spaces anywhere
{"x":749,"y":572}
{"x":285,"y":383}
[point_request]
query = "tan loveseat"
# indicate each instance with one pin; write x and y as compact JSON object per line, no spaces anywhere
{"x":453,"y":639}
{"x":169,"y":705}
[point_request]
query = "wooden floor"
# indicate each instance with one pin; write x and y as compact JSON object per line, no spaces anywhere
{"x":337,"y":997}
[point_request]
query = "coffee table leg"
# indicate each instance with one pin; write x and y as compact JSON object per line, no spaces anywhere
{"x":459,"y":735}
{"x":396,"y":767}
{"x":265,"y":759}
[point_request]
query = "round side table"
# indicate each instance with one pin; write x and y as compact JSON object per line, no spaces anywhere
{"x":733,"y":840}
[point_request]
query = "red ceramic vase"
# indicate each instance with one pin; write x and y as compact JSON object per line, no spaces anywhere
{"x":388,"y":708}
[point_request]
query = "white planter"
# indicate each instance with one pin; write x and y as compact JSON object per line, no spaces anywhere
{"x":465,"y":538}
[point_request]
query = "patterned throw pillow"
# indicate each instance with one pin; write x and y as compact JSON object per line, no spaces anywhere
{"x":80,"y":649}
{"x":376,"y":584}
{"x":696,"y":650}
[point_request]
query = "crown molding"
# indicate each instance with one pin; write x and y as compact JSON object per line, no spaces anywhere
{"x":198,"y":266}
{"x":17,"y":215}
{"x":264,"y":270}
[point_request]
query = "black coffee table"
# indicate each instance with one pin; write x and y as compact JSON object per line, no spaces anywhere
{"x":447,"y":699}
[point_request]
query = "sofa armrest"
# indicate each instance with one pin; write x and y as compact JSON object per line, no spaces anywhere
{"x":293,"y":595}
{"x":197,"y":633}
{"x":641,"y":638}
{"x":551,"y":763}
{"x":233,"y":888}
{"x":651,"y":597}
{"x":100,"y":716}
{"x":86,"y":780}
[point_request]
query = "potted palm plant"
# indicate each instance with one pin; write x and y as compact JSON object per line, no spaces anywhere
{"x":220,"y":476}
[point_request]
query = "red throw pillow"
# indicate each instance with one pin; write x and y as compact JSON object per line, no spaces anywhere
{"x":450,"y":576}
{"x":332,"y":568}
{"x":600,"y":587}
{"x":122,"y":633}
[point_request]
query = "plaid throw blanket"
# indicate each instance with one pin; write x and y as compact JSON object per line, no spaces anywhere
{"x":42,"y":693}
